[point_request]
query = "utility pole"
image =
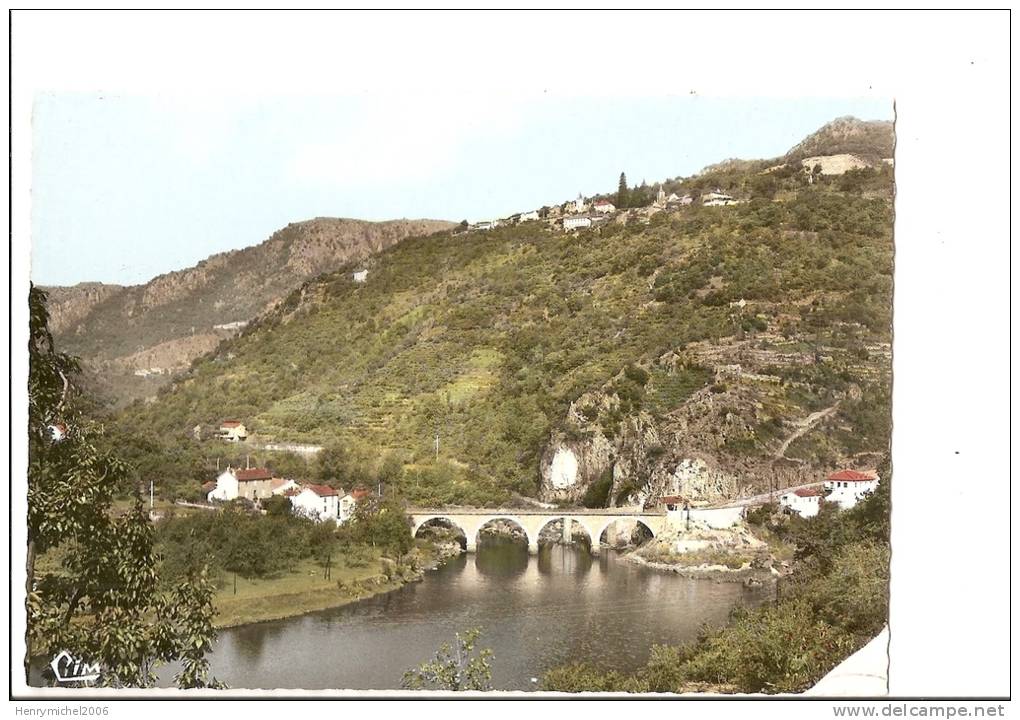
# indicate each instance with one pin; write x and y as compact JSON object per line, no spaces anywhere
{"x":150,"y":495}
{"x":437,"y":447}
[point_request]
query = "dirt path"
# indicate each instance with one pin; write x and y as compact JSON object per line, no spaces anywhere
{"x":804,"y":426}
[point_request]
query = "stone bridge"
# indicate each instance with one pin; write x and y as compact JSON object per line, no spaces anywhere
{"x":533,"y":520}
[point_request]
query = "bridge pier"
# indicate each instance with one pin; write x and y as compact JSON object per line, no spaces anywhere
{"x":568,"y":530}
{"x":532,"y":547}
{"x":471,"y":545}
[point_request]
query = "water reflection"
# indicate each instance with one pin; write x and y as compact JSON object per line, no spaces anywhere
{"x":536,"y":612}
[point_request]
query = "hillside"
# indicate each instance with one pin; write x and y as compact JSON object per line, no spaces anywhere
{"x":872,"y":140}
{"x":704,"y":351}
{"x":161,"y":326}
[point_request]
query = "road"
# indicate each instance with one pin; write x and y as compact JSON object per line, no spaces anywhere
{"x":763,"y":498}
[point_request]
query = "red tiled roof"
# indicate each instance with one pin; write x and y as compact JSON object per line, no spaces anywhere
{"x":671,"y":499}
{"x":603,"y":202}
{"x":278,"y":483}
{"x":321,"y":490}
{"x":808,"y":492}
{"x":230,"y":423}
{"x":291,"y":492}
{"x":207,"y":486}
{"x":253,"y":474}
{"x":360,"y":493}
{"x":853,"y":476}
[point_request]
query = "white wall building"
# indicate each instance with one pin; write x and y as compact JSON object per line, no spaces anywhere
{"x":579,"y":205}
{"x":319,"y":502}
{"x":713,"y":199}
{"x":848,"y":487}
{"x":576,"y":222}
{"x":604,"y":207}
{"x":532,"y":215}
{"x":803,"y":501}
{"x":281,"y":487}
{"x":226,"y":487}
{"x":233,"y":431}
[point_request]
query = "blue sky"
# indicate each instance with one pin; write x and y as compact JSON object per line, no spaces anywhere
{"x":126,"y":188}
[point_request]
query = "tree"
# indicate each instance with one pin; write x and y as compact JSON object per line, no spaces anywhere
{"x":334,"y":463}
{"x":622,"y":194}
{"x":454,"y":669}
{"x":380,"y":524}
{"x":277,"y":506}
{"x":104,"y":604}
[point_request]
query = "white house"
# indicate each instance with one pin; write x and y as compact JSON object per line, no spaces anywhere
{"x":604,"y":207}
{"x":254,"y":484}
{"x":848,"y":487}
{"x":225,"y":488}
{"x":233,"y":431}
{"x":713,"y":199}
{"x":361,"y":276}
{"x":484,"y":225}
{"x":318,"y":502}
{"x":575,"y":222}
{"x":803,"y":501}
{"x":279,"y":486}
{"x":531,"y":215}
{"x":579,"y":205}
{"x":348,"y":503}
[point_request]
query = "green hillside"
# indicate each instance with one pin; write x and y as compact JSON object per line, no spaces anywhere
{"x":490,"y":339}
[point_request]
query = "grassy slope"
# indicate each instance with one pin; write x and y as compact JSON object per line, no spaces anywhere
{"x":487,"y":337}
{"x":295,"y":592}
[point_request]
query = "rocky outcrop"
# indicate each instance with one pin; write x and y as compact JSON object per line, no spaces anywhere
{"x":68,"y":306}
{"x":643,"y":457}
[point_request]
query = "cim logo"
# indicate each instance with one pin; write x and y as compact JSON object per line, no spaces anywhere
{"x":68,"y":668}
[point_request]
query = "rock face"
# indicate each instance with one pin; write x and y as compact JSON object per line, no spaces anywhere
{"x":68,"y":306}
{"x":730,"y":436}
{"x":644,"y":459}
{"x":176,"y":317}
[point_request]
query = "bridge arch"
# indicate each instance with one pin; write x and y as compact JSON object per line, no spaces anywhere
{"x":440,"y":522}
{"x":612,"y":521}
{"x":531,"y":538}
{"x":573,"y":521}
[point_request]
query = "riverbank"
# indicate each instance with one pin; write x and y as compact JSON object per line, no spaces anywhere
{"x":304,"y":589}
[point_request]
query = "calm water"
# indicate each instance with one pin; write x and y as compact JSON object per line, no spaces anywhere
{"x":536,"y":612}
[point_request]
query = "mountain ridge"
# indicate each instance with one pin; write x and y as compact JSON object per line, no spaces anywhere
{"x":111,"y":326}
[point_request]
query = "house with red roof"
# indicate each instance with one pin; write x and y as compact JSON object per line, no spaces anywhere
{"x":848,"y":487}
{"x":318,"y":502}
{"x":233,"y":431}
{"x":604,"y":207}
{"x":280,"y":486}
{"x":252,"y":483}
{"x":804,"y":501}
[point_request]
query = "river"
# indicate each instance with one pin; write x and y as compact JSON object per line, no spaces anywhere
{"x":536,"y":612}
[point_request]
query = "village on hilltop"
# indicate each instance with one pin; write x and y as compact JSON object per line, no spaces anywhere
{"x":582,"y":213}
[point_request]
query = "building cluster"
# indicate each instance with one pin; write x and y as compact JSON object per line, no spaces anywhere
{"x":583,"y":213}
{"x":317,"y":502}
{"x":845,"y":488}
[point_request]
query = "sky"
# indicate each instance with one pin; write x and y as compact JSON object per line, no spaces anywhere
{"x":125,"y":188}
